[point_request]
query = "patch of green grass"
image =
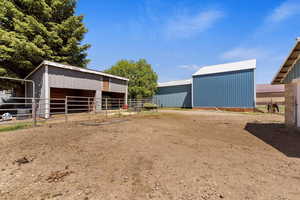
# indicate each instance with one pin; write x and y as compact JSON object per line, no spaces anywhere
{"x":265,"y":110}
{"x":14,"y":127}
{"x":149,"y":113}
{"x":176,"y":109}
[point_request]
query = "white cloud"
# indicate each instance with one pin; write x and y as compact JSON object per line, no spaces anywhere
{"x":184,"y":26}
{"x":189,"y":67}
{"x":284,"y":11}
{"x":241,"y":53}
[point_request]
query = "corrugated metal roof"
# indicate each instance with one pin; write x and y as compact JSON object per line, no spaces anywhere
{"x":264,"y":88}
{"x":55,"y":64}
{"x":173,"y":83}
{"x":288,"y":64}
{"x":227,"y":67}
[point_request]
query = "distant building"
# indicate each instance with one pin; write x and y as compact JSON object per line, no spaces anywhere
{"x":175,"y":94}
{"x":267,"y":93}
{"x":229,"y":86}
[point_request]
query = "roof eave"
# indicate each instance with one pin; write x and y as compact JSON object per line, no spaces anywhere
{"x":54,"y":64}
{"x":252,"y":66}
{"x":224,"y":71}
{"x":279,"y":79}
{"x":175,"y":83}
{"x":159,"y":86}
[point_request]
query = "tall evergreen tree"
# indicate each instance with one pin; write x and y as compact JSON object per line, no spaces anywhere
{"x":35,"y":30}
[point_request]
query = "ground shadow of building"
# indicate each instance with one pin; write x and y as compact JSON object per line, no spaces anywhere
{"x":277,"y":135}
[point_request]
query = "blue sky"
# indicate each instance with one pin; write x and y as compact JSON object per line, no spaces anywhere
{"x":178,"y":37}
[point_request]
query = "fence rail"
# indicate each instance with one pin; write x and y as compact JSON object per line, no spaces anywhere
{"x":38,"y":109}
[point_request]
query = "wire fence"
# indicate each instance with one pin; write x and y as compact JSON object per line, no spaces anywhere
{"x":70,"y":108}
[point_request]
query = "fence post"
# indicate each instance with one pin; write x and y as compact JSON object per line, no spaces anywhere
{"x":89,"y":112}
{"x":106,"y":107}
{"x":66,"y":109}
{"x":95,"y":105}
{"x":33,"y":111}
{"x":88,"y":104}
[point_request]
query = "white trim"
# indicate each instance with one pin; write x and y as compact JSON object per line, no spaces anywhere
{"x":54,"y":64}
{"x":174,"y":83}
{"x":227,"y":67}
{"x":47,"y":93}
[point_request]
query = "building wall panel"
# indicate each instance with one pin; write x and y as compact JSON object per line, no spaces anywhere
{"x":230,"y":89}
{"x":293,"y":74}
{"x":117,"y":85}
{"x":64,"y":78}
{"x":174,"y":96}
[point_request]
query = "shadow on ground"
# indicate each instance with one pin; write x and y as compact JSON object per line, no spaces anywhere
{"x":284,"y":139}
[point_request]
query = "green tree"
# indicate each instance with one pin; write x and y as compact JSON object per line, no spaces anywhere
{"x":142,"y":78}
{"x":35,"y":30}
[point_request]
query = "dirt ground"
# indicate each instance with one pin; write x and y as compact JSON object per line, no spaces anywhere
{"x":182,"y":155}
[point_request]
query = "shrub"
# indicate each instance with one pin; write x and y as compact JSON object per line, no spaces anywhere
{"x":149,"y":106}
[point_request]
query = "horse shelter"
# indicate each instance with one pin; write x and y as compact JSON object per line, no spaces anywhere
{"x":54,"y":82}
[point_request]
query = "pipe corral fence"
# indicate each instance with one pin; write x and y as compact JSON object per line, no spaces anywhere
{"x":32,"y":109}
{"x":71,"y":108}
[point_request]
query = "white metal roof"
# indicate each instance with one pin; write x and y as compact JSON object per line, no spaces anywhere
{"x":55,"y":64}
{"x":227,"y":67}
{"x":173,"y":83}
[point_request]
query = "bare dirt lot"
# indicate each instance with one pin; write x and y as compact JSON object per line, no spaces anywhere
{"x":178,"y":155}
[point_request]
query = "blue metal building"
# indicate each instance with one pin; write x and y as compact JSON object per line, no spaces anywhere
{"x":229,"y":85}
{"x":175,"y":94}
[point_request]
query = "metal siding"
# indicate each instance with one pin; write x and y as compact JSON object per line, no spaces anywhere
{"x":293,"y":74}
{"x":70,"y":79}
{"x":64,"y":78}
{"x":229,"y":89}
{"x":174,"y":96}
{"x":117,"y":85}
